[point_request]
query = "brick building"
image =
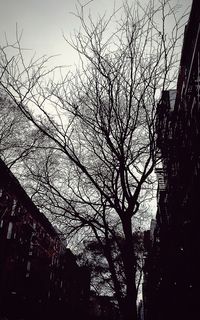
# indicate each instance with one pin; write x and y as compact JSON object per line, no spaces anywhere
{"x":172,"y":277}
{"x":39,"y":277}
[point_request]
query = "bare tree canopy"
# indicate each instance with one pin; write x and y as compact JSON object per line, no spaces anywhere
{"x":95,"y":170}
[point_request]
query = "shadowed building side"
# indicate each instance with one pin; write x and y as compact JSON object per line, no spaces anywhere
{"x":39,"y":276}
{"x":172,"y":276}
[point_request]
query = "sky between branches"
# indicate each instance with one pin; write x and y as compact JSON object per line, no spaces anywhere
{"x":45,"y":21}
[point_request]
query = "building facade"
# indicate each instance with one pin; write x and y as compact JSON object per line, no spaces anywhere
{"x":39,"y":276}
{"x":172,"y":266}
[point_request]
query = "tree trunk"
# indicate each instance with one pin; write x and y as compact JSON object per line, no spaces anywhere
{"x":130,"y":307}
{"x":129,"y":260}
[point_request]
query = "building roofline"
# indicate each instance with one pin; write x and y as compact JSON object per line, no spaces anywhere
{"x":7,"y":178}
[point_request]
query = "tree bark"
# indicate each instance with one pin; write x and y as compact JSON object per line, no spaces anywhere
{"x":129,"y":260}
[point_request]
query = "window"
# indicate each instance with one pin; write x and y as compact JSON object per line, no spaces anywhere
{"x":28,"y":268}
{"x":13,"y":207}
{"x":9,"y":233}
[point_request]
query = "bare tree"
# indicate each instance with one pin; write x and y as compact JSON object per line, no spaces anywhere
{"x":96,"y":171}
{"x":20,"y":142}
{"x":16,"y":139}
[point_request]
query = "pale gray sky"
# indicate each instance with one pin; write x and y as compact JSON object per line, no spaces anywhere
{"x":44,"y":21}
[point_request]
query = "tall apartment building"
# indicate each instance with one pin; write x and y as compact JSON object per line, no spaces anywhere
{"x":39,"y":277}
{"x":172,"y":280}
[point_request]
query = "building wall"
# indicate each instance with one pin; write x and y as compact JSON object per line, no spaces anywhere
{"x":172,"y":265}
{"x":39,"y":277}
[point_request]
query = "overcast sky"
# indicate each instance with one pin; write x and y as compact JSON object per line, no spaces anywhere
{"x":44,"y":21}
